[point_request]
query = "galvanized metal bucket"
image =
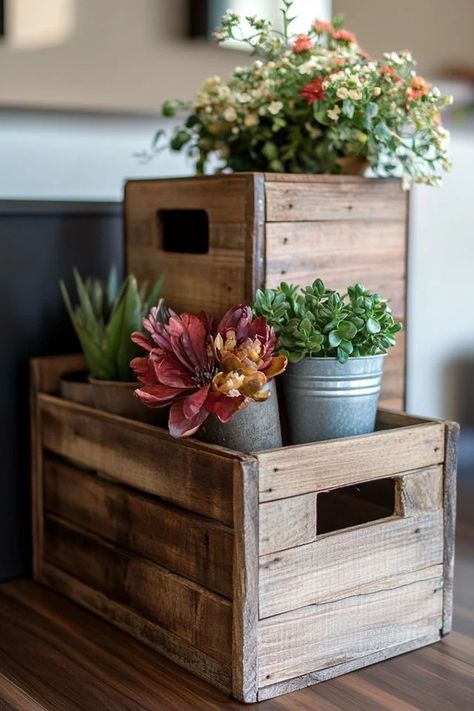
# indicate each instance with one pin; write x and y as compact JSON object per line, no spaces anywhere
{"x":326,"y":399}
{"x":255,"y":428}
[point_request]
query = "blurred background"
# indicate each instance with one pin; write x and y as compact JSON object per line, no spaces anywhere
{"x":81,"y":85}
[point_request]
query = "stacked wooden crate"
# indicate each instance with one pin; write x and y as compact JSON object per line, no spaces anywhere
{"x":217,"y":239}
{"x":260,"y":572}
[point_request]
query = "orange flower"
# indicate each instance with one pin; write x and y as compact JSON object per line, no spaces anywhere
{"x":321,"y":26}
{"x":344,"y":36}
{"x":418,"y":87}
{"x":302,"y":44}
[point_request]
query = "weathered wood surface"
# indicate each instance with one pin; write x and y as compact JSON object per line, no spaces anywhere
{"x":377,"y":695}
{"x":195,"y":615}
{"x":371,"y":557}
{"x":334,"y":198}
{"x":195,"y":547}
{"x":306,"y":468}
{"x":420,"y":491}
{"x":336,"y":251}
{"x":245,"y":658}
{"x":265,"y":228}
{"x":287,"y":523}
{"x":449,"y":489}
{"x":322,"y":636}
{"x":217,"y":672}
{"x":196,"y":476}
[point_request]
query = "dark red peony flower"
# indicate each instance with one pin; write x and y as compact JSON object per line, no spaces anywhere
{"x":199,"y":371}
{"x":313,"y":91}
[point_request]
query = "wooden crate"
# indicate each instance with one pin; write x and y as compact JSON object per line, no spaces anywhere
{"x":256,"y":230}
{"x":261,"y":573}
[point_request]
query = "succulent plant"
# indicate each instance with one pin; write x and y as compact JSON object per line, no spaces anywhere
{"x":320,"y":322}
{"x":104,"y":317}
{"x":199,"y":369}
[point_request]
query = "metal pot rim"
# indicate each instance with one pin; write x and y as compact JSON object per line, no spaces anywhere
{"x":333,"y":358}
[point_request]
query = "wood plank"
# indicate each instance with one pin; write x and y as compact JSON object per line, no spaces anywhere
{"x":192,"y":546}
{"x":322,"y":636}
{"x":287,"y":523}
{"x":302,"y":682}
{"x":420,"y":491}
{"x":320,"y":466}
{"x":349,"y":198}
{"x":452,"y":438}
{"x":196,"y":476}
{"x":335,"y":251}
{"x":355,"y":561}
{"x":195,"y":615}
{"x":161,"y":640}
{"x":389,"y":419}
{"x":246,"y":585}
{"x":13,"y":698}
{"x":47,"y":372}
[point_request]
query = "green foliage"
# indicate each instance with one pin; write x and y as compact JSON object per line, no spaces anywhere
{"x":319,"y":322}
{"x":104,"y":318}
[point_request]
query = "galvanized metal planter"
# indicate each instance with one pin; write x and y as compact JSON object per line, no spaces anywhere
{"x":325,"y":399}
{"x":255,"y":428}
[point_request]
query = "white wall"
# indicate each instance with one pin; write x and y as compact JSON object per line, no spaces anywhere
{"x":70,"y":156}
{"x":441,"y":284}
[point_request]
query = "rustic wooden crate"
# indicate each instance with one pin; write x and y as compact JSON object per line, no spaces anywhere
{"x":268,"y":228}
{"x":214,"y":558}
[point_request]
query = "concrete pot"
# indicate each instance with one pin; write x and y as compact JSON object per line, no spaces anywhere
{"x":325,"y":399}
{"x":118,"y":398}
{"x":255,"y":428}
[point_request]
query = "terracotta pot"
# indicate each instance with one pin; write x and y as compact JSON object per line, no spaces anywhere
{"x":352,"y":165}
{"x":118,"y":398}
{"x":255,"y":428}
{"x":76,"y":387}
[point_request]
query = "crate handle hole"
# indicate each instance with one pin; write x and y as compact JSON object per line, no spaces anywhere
{"x":355,"y":505}
{"x":184,"y":231}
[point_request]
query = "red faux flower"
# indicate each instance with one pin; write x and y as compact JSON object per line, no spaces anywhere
{"x":322,"y":26}
{"x":313,"y":91}
{"x":418,"y":87}
{"x":302,"y":44}
{"x":199,"y":371}
{"x":344,"y":36}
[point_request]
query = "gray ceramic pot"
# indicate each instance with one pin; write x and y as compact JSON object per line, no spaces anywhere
{"x":326,"y":399}
{"x":117,"y":397}
{"x":76,"y":387}
{"x":255,"y":428}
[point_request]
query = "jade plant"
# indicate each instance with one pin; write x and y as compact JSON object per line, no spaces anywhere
{"x":105,"y":316}
{"x":318,"y":322}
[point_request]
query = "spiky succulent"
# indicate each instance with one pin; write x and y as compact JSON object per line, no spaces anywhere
{"x":105,"y":316}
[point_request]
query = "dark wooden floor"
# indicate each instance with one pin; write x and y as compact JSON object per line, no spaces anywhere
{"x":53,"y":655}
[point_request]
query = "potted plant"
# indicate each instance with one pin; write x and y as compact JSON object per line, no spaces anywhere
{"x":314,"y":103}
{"x":217,"y":379}
{"x":336,"y":346}
{"x":104,"y":318}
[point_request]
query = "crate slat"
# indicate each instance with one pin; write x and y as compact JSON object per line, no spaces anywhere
{"x":313,"y":198}
{"x":318,"y":637}
{"x":195,"y":547}
{"x":287,"y":523}
{"x":354,"y":561}
{"x":141,"y":456}
{"x":193,"y":614}
{"x":326,"y":465}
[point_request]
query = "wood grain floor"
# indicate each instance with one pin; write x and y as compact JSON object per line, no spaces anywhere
{"x":55,"y":656}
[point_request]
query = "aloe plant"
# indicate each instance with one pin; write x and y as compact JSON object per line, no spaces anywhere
{"x":105,"y":316}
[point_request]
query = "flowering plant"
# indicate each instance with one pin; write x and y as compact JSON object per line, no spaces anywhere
{"x":309,"y":101}
{"x":199,"y":369}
